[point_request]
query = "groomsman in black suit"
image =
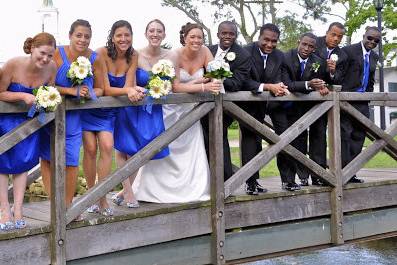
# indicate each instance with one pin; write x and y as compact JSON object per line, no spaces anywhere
{"x":360,"y":77}
{"x":327,"y":48}
{"x":303,"y":72}
{"x":238,"y":60}
{"x":266,"y":61}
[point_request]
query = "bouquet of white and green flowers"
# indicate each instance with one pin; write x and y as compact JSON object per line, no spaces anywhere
{"x":79,"y":70}
{"x":161,"y":76}
{"x":218,"y":69}
{"x":47,"y":98}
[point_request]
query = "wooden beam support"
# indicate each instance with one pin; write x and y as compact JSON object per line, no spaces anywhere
{"x":303,"y":123}
{"x":138,"y":160}
{"x":367,"y":154}
{"x":266,"y":96}
{"x":334,"y":147}
{"x":217,"y":182}
{"x":58,"y":207}
{"x":8,"y":140}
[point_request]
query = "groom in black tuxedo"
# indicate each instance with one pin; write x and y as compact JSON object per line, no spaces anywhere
{"x":238,"y":60}
{"x":360,"y":77}
{"x":265,"y":74}
{"x":303,"y":72}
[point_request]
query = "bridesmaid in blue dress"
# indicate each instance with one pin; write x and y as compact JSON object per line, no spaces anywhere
{"x":136,"y":126}
{"x":80,"y":37}
{"x":20,"y":76}
{"x":120,"y":62}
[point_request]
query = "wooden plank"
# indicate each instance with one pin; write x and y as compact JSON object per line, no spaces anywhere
{"x":367,"y":154}
{"x":33,"y":174}
{"x":266,"y":96}
{"x":335,"y":167}
{"x":89,"y":240}
{"x":370,"y":126}
{"x":270,"y":136}
{"x":122,"y":101}
{"x":368,"y":96}
{"x":383,"y":103}
{"x":21,"y":132}
{"x":136,"y":161}
{"x":58,"y":207}
{"x":217,"y":182}
{"x":25,"y":251}
{"x":13,"y":107}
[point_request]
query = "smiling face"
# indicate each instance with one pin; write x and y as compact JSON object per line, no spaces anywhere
{"x":122,"y":39}
{"x":42,"y":55}
{"x":334,"y":36}
{"x":306,"y":47}
{"x":268,"y":41}
{"x":194,"y":39}
{"x":155,"y":34}
{"x":371,"y":39}
{"x":227,"y":35}
{"x":80,"y":39}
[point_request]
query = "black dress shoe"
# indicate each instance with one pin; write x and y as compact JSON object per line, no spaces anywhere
{"x":260,"y":188}
{"x":291,"y":186}
{"x":317,"y":182}
{"x":250,"y":189}
{"x":355,"y":180}
{"x":304,"y":182}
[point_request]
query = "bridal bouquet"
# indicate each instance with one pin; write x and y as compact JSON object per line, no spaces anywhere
{"x":47,"y":98}
{"x":161,"y":76}
{"x":79,"y":70}
{"x":218,"y":69}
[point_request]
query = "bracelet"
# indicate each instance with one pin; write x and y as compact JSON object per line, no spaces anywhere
{"x":202,"y":87}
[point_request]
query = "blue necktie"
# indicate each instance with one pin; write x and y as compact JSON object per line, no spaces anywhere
{"x":264,"y":57}
{"x":365,"y":75}
{"x":302,"y":64}
{"x":329,"y":54}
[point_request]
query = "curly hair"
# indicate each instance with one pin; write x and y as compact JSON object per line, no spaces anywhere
{"x":111,"y":48}
{"x":185,"y":29}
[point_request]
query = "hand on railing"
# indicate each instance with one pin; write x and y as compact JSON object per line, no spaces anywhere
{"x":136,"y":93}
{"x":28,"y":99}
{"x":214,"y":86}
{"x":278,"y":89}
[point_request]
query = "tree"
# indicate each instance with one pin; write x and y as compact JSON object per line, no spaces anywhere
{"x":291,"y":29}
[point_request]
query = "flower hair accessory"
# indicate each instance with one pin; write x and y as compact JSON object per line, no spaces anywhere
{"x":334,"y":57}
{"x":230,"y":56}
{"x":315,"y":67}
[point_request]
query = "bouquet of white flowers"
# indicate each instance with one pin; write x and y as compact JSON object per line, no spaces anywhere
{"x":79,"y":70}
{"x":47,"y":98}
{"x":161,"y":76}
{"x":218,"y":69}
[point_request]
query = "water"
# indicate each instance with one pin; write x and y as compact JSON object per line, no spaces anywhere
{"x":381,"y":252}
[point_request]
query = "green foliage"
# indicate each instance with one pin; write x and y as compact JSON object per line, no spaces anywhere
{"x":291,"y":29}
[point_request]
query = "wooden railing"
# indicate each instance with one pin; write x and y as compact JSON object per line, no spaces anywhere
{"x":335,"y":176}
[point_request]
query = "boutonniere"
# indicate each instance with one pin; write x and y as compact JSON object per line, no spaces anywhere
{"x":315,"y":67}
{"x":230,"y":56}
{"x":334,"y":57}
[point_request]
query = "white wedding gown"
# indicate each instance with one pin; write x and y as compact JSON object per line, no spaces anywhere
{"x":183,"y":176}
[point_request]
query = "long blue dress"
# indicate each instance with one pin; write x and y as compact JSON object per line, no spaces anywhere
{"x":25,"y":155}
{"x":73,"y":117}
{"x":135,"y":127}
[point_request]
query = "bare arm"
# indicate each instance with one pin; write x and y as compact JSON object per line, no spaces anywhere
{"x":98,"y":76}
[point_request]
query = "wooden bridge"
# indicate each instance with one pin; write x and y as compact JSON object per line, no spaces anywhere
{"x":232,"y":227}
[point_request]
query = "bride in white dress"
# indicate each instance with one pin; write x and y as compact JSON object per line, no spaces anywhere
{"x":183,"y":176}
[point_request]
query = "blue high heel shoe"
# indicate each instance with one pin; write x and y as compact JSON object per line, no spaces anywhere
{"x":7,"y":226}
{"x":20,"y":224}
{"x":117,"y":199}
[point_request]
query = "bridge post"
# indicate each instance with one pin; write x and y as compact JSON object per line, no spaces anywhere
{"x":58,"y":208}
{"x":217,"y":182}
{"x":335,"y":167}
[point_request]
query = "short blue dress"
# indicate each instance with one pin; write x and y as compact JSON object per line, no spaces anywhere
{"x":73,"y":118}
{"x":24,"y":155}
{"x":135,"y":127}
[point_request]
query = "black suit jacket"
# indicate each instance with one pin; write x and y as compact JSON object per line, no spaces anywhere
{"x":321,"y":51}
{"x":271,"y":74}
{"x":240,"y":67}
{"x":355,"y":68}
{"x":291,"y":69}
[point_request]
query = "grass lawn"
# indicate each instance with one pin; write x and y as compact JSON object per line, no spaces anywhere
{"x":381,"y":160}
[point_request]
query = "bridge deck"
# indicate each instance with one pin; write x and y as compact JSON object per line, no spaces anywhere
{"x":157,"y":223}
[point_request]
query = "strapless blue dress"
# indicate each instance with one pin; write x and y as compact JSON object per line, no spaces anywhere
{"x":25,"y":155}
{"x":135,"y":127}
{"x":97,"y":120}
{"x":73,"y":117}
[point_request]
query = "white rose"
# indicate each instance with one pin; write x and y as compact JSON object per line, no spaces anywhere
{"x":230,"y":56}
{"x":334,"y":57}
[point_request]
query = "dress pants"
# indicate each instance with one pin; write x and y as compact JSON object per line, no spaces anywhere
{"x":352,"y":133}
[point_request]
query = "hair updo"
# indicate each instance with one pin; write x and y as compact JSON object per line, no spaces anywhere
{"x":40,"y":39}
{"x":186,"y":29}
{"x":111,"y":48}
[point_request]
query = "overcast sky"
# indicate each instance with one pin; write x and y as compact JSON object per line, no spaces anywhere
{"x":20,"y":19}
